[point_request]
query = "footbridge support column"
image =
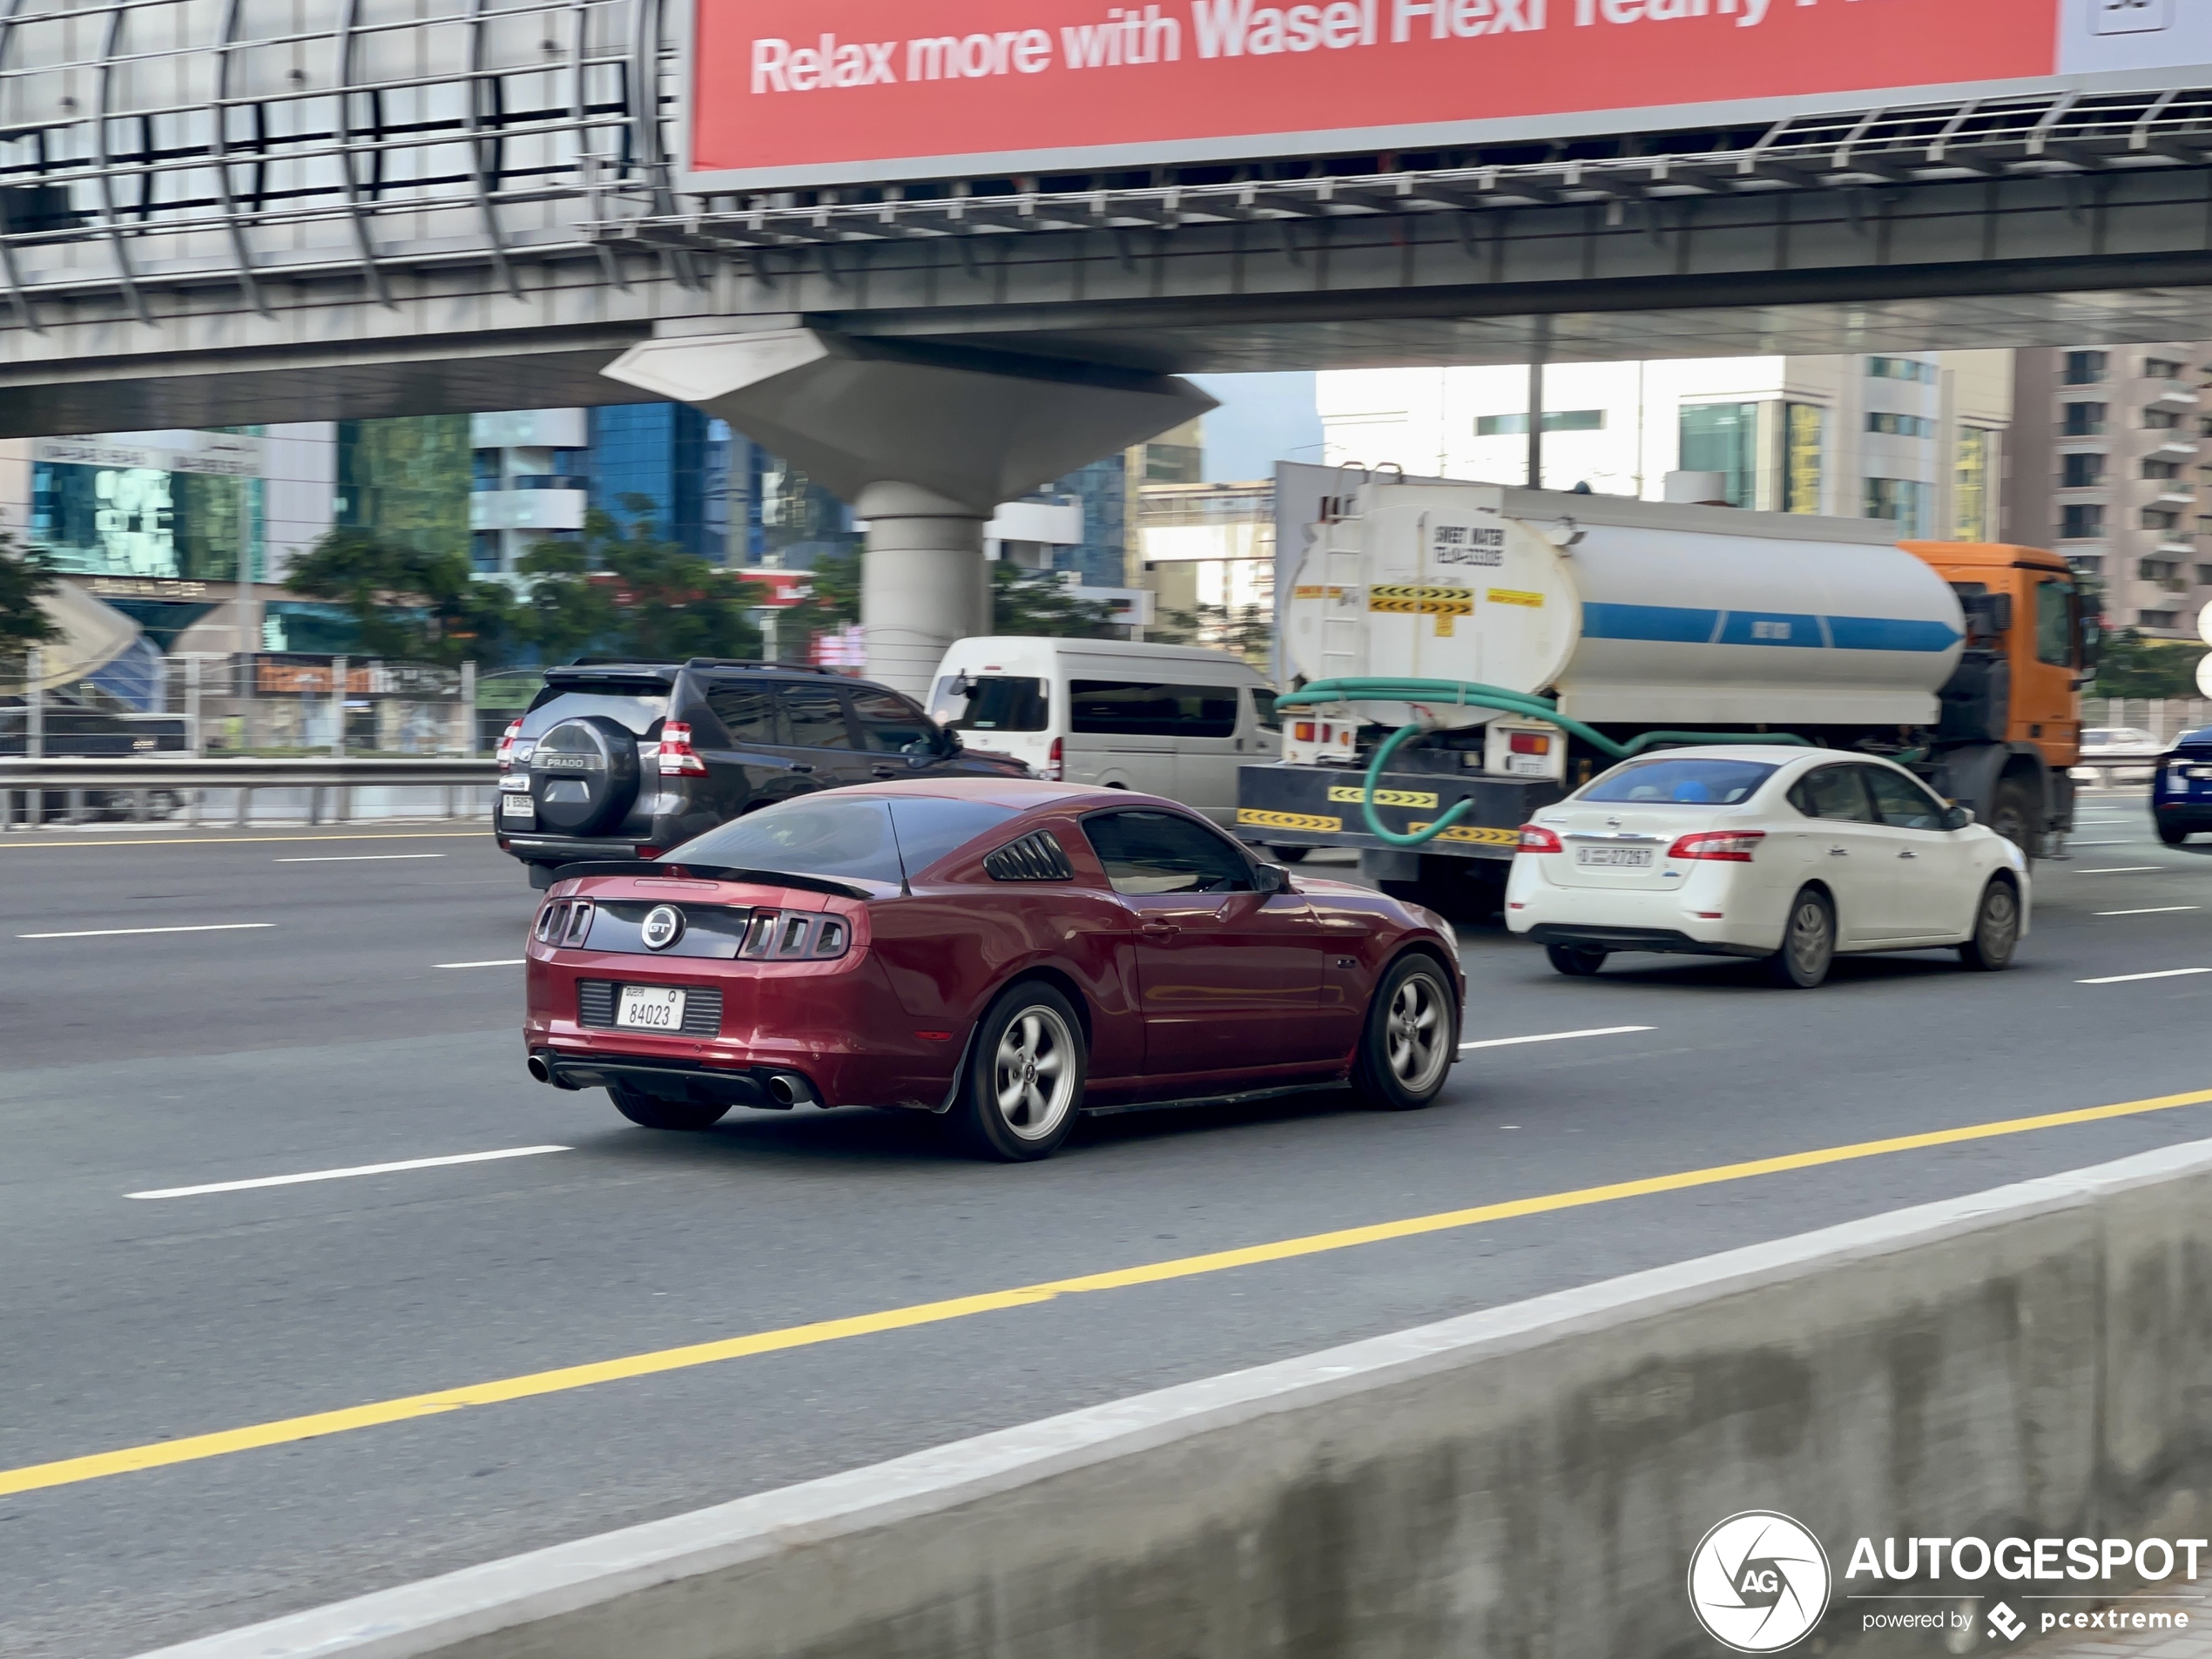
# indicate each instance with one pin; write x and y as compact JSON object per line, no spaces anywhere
{"x":925,"y":442}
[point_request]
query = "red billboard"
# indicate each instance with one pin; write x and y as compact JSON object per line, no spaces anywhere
{"x":823,"y":91}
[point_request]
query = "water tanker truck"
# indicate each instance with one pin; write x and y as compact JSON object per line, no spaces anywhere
{"x":1464,"y":654}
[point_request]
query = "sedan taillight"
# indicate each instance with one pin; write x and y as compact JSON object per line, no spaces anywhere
{"x":678,"y":758}
{"x":1727,"y":847}
{"x":1534,"y":838}
{"x":564,"y":921}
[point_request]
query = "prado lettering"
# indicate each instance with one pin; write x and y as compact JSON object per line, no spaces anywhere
{"x":825,"y":91}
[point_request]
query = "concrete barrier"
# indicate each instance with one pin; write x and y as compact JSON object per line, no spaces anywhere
{"x":1524,"y":1483}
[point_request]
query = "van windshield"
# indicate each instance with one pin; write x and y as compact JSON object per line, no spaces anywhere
{"x":990,"y":703}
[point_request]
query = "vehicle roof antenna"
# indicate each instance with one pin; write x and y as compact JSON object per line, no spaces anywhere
{"x":906,"y":887}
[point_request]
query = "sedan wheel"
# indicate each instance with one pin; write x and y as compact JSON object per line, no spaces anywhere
{"x":1411,"y":1036}
{"x":1025,"y":1076}
{"x":1996,"y":929}
{"x":1808,"y":943}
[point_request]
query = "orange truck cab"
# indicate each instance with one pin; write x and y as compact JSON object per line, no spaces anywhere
{"x":2011,"y":720}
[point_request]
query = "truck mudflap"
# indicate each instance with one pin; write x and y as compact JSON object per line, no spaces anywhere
{"x":1281,"y":806}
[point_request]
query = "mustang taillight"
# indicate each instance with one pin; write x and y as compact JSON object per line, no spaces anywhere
{"x":564,"y":921}
{"x":794,"y":935}
{"x":1055,"y":762}
{"x":678,"y":758}
{"x":1534,"y":838}
{"x":1729,"y":847}
{"x":507,"y":744}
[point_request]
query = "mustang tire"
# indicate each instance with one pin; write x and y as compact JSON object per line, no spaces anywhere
{"x":1411,"y":1038}
{"x":651,"y":1111}
{"x":1025,"y":1076}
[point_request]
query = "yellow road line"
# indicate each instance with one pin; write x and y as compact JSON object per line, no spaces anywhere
{"x":9,"y":842}
{"x":193,"y":1448}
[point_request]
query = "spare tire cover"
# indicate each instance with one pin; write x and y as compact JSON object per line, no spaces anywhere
{"x":584,"y":775}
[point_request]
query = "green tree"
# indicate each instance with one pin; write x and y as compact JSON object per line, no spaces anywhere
{"x":2130,"y":665}
{"x":1038,"y":602}
{"x":624,"y":591}
{"x":406,"y":605}
{"x":23,"y":578}
{"x":1246,"y":630}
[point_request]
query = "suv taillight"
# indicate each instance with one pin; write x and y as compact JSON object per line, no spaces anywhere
{"x":678,"y":758}
{"x":1534,"y":838}
{"x":1055,"y":762}
{"x":507,"y":744}
{"x":1729,"y":847}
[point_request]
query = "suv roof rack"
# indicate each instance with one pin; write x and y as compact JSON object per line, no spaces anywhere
{"x":754,"y":662}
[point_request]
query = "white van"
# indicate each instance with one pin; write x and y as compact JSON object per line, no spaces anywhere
{"x":1172,"y":720}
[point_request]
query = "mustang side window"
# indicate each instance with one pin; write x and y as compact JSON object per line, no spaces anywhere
{"x":1149,"y":852}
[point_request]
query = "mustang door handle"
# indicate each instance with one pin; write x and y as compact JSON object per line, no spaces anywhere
{"x":1159,"y":930}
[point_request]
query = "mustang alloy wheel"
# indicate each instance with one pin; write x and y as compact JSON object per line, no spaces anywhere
{"x":1411,"y":1036}
{"x":1025,"y":1076}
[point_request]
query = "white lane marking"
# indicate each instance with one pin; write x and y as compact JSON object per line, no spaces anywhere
{"x":2125,"y":843}
{"x":2163,"y":973}
{"x":1557,"y":1036}
{"x":340,"y":1174}
{"x":2123,"y":869}
{"x":116,"y":933}
{"x":503,"y":961}
{"x":2152,"y":910}
{"x":372,"y":858}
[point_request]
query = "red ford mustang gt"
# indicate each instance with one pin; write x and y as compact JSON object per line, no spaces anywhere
{"x":1005,"y":953}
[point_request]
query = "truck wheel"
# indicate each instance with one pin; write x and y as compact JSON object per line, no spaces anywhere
{"x":1996,"y":929}
{"x":1808,"y":943}
{"x":1410,"y":1037}
{"x":1575,"y":963}
{"x":2013,"y":815}
{"x":1289,"y":854}
{"x":651,"y":1111}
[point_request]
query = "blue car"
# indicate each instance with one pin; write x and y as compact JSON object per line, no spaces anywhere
{"x":2180,"y":792}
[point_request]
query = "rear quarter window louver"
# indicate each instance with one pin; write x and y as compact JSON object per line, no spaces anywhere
{"x":1037,"y":856}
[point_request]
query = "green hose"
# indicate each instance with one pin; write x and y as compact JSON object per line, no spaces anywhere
{"x":1470,"y":694}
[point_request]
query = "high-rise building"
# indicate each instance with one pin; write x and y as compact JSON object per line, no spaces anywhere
{"x":2106,"y":452}
{"x":1914,"y":438}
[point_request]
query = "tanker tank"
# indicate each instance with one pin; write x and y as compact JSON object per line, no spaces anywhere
{"x":1630,"y":612}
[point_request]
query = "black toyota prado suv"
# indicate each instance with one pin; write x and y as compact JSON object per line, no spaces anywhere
{"x":621,"y":760}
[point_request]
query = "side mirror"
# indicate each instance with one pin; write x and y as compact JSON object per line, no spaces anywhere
{"x":1273,"y":878}
{"x":1958,"y":818}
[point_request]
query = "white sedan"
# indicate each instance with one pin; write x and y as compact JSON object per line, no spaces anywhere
{"x":1787,"y":854}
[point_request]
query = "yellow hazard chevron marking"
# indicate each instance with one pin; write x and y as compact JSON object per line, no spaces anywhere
{"x":1406,"y":600}
{"x":1259,"y":820}
{"x":1515,"y":596}
{"x":1478,"y":837}
{"x":1383,"y":797}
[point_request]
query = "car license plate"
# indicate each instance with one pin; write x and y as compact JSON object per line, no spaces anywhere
{"x":651,"y":1008}
{"x":517,"y":806}
{"x":1617,"y":857}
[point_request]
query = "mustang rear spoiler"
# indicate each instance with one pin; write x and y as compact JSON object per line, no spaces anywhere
{"x":710,"y":873}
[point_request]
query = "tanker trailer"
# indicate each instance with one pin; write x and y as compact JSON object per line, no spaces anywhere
{"x":1475,"y":651}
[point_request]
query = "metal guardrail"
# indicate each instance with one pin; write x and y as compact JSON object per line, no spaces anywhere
{"x":2109,"y":764}
{"x":25,"y":784}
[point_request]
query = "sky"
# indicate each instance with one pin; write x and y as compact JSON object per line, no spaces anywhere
{"x":1262,"y":419}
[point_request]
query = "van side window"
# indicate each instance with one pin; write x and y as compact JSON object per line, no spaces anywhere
{"x":1263,"y":709}
{"x":1140,"y":709}
{"x":990,"y":701}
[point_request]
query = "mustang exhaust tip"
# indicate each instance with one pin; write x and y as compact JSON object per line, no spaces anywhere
{"x":539,"y":1069}
{"x":789,"y":1088}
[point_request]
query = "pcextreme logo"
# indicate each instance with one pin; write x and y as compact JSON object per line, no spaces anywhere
{"x":1758,"y":1581}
